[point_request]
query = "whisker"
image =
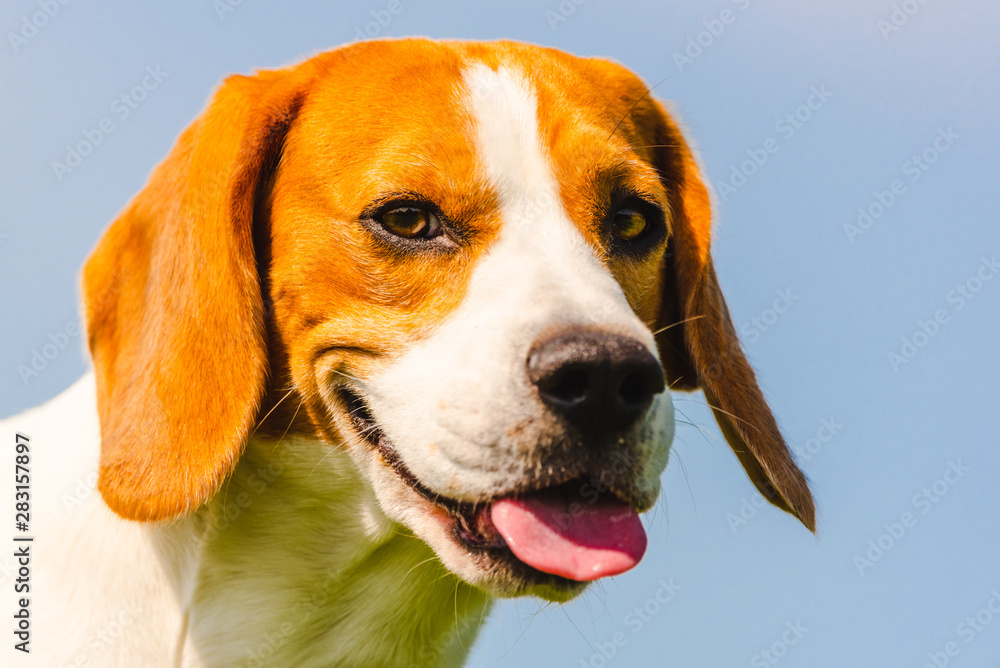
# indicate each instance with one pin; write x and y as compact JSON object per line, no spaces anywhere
{"x":321,"y":460}
{"x":446,"y":574}
{"x":482,"y":616}
{"x":415,"y":567}
{"x":523,"y":631}
{"x":636,"y":104}
{"x":673,"y":383}
{"x":728,"y":414}
{"x":704,"y":432}
{"x":687,"y":481}
{"x":503,"y":632}
{"x":578,"y":630}
{"x":457,"y":621}
{"x":657,"y":146}
{"x":259,"y":423}
{"x":347,"y":375}
{"x":679,"y":322}
{"x":402,"y":534}
{"x":290,"y":423}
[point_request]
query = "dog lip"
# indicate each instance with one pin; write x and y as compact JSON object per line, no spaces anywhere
{"x":368,"y":430}
{"x":363,"y":421}
{"x":472,"y":525}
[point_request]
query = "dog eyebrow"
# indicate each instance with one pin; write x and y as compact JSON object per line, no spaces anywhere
{"x":429,"y":398}
{"x":630,"y":179}
{"x":458,"y":215}
{"x":400,"y":197}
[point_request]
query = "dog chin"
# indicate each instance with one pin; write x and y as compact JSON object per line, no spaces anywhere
{"x":547,"y":537}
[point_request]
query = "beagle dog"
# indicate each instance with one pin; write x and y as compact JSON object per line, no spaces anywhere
{"x":390,"y":333}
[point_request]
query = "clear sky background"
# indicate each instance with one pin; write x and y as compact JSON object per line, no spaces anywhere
{"x":879,"y":437}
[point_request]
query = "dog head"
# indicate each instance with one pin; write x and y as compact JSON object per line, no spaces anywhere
{"x":480,"y":267}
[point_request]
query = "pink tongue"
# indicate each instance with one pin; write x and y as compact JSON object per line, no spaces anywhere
{"x":594,"y":541}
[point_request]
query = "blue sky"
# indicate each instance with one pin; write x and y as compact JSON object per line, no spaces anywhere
{"x":893,"y":114}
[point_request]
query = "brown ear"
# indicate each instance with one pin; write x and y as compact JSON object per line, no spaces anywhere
{"x":173,"y":307}
{"x":698,"y":343}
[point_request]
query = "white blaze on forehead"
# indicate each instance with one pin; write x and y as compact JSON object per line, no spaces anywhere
{"x":504,"y":107}
{"x":450,"y":403}
{"x":550,"y":252}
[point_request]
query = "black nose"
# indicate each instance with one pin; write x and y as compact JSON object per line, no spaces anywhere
{"x":599,"y":382}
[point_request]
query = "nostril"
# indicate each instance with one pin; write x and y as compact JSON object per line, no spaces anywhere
{"x":634,"y":390}
{"x":570,"y":386}
{"x":597,"y":382}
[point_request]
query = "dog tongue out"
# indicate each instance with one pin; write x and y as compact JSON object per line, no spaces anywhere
{"x":594,"y":541}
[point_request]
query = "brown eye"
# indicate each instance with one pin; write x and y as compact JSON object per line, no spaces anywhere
{"x":629,"y":224}
{"x":411,"y":222}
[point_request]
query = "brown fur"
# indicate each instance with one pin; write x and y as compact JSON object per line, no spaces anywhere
{"x":246,"y":271}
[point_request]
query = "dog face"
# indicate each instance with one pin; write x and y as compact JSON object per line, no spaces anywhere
{"x":483,"y":265}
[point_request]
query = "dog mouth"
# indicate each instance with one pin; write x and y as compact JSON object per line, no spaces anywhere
{"x":563,"y":534}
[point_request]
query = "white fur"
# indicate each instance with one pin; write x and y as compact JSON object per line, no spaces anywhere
{"x":293,"y":566}
{"x":303,"y":558}
{"x":93,"y":576}
{"x":450,"y":402}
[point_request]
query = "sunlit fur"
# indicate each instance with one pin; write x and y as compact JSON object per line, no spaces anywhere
{"x":293,"y":564}
{"x":244,"y":288}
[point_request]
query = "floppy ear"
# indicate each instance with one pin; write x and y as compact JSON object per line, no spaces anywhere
{"x":173,"y":307}
{"x":700,"y":348}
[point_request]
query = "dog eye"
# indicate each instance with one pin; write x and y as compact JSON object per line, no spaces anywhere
{"x":411,"y":222}
{"x":629,"y":224}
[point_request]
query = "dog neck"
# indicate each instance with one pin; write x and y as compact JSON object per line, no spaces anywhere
{"x":299,"y":566}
